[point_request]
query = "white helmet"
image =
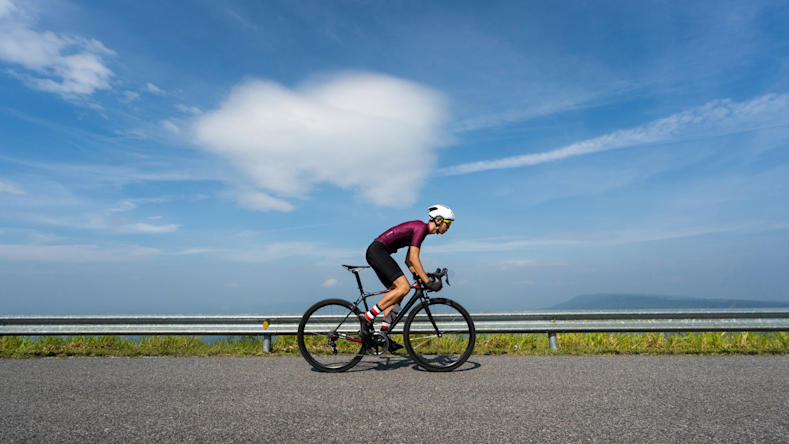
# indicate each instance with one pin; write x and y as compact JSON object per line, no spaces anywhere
{"x":441,"y":211}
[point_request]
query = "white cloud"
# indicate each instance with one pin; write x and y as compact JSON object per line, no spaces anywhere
{"x":250,"y":250}
{"x":53,"y":205}
{"x":130,"y":204}
{"x":148,"y":228}
{"x":153,"y":217}
{"x":154,"y":89}
{"x":6,"y":187}
{"x":130,"y":96}
{"x":713,"y":119}
{"x":370,"y":133}
{"x":132,"y":134}
{"x":170,"y":126}
{"x":193,"y":251}
{"x":6,"y":8}
{"x":72,"y":66}
{"x":72,"y":253}
{"x":527,"y":264}
{"x":189,"y":109}
{"x":522,"y":263}
{"x":255,"y":200}
{"x":583,"y":239}
{"x":330,"y":283}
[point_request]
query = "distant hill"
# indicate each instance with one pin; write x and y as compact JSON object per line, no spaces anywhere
{"x":613,"y":301}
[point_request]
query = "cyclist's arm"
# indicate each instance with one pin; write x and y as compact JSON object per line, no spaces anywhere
{"x":414,"y":264}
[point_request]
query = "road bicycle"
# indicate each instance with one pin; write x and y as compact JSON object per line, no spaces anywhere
{"x":438,"y":333}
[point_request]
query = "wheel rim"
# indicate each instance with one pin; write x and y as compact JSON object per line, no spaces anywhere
{"x":451,"y":347}
{"x":332,"y":323}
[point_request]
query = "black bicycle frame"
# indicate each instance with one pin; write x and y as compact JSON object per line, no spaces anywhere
{"x":418,"y":295}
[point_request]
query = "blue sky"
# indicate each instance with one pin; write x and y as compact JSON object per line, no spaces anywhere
{"x":227,"y":157}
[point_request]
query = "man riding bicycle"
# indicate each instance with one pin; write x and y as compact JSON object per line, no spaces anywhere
{"x":410,"y":234}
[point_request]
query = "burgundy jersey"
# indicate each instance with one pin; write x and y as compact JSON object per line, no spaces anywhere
{"x":407,"y":234}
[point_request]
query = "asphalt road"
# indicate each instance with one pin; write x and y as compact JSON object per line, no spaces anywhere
{"x":563,"y":399}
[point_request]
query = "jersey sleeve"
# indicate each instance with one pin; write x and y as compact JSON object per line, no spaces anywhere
{"x":419,"y":235}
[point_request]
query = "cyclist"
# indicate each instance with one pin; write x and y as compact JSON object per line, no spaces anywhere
{"x":408,"y":234}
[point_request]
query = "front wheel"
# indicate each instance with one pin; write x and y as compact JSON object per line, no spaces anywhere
{"x":329,"y":336}
{"x":445,"y":346}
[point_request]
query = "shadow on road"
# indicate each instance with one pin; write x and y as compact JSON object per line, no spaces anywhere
{"x":396,"y":362}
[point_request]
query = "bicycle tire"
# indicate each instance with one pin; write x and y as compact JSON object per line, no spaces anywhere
{"x":445,"y":353}
{"x":324,"y":352}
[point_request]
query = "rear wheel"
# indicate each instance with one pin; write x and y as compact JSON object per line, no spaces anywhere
{"x":329,"y":336}
{"x":444,"y":347}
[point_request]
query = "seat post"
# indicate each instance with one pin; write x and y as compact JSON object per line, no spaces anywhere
{"x":359,"y":281}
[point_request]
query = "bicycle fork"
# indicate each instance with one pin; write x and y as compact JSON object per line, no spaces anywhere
{"x":430,"y":316}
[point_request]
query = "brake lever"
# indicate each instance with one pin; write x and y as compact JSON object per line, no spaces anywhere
{"x":440,"y":274}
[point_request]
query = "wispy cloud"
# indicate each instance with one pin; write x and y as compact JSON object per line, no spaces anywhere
{"x":713,"y":119}
{"x":520,"y":263}
{"x":528,"y":264}
{"x":189,"y":251}
{"x":170,"y":126}
{"x":103,"y":219}
{"x":333,"y":131}
{"x":104,"y":175}
{"x":188,"y":109}
{"x":256,"y":200}
{"x":6,"y":8}
{"x":130,"y":96}
{"x":6,"y":187}
{"x":560,"y":99}
{"x":148,"y":228}
{"x":49,"y":211}
{"x":582,"y":239}
{"x":155,"y":89}
{"x":330,"y":283}
{"x":73,"y":253}
{"x":278,"y":251}
{"x":72,"y":66}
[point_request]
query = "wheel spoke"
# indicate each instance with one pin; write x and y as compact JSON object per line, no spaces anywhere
{"x":453,"y":346}
{"x":325,"y":336}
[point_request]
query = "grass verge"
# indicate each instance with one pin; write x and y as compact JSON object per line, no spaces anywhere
{"x":706,"y":343}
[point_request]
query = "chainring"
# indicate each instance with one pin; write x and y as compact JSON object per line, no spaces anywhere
{"x":382,"y":345}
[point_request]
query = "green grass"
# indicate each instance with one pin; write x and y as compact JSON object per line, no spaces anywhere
{"x":708,"y":343}
{"x":703,"y":343}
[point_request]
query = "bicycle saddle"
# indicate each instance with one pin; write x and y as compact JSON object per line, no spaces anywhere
{"x":354,"y":268}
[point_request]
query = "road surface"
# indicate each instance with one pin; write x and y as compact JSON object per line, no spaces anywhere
{"x":543,"y":399}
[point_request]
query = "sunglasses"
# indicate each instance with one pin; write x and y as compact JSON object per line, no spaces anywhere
{"x":448,"y":222}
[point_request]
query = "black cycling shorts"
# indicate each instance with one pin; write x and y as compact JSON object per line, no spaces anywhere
{"x":385,"y":267}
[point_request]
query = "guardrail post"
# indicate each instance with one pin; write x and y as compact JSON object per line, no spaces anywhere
{"x":552,"y":341}
{"x":266,"y":343}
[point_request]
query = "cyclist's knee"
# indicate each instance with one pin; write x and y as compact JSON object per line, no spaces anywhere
{"x":402,"y":287}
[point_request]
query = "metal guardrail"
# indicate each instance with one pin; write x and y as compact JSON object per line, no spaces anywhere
{"x":550,"y":322}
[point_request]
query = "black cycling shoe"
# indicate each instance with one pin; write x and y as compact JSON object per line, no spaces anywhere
{"x":367,"y":331}
{"x":394,"y":346}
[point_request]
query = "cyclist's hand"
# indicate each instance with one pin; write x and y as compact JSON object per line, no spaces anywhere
{"x":433,"y":285}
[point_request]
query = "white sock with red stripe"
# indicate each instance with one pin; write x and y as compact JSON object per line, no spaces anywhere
{"x":385,"y":326}
{"x":370,"y":315}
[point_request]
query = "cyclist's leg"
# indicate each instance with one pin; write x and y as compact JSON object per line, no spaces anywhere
{"x":390,"y":275}
{"x":390,"y":301}
{"x":396,"y":295}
